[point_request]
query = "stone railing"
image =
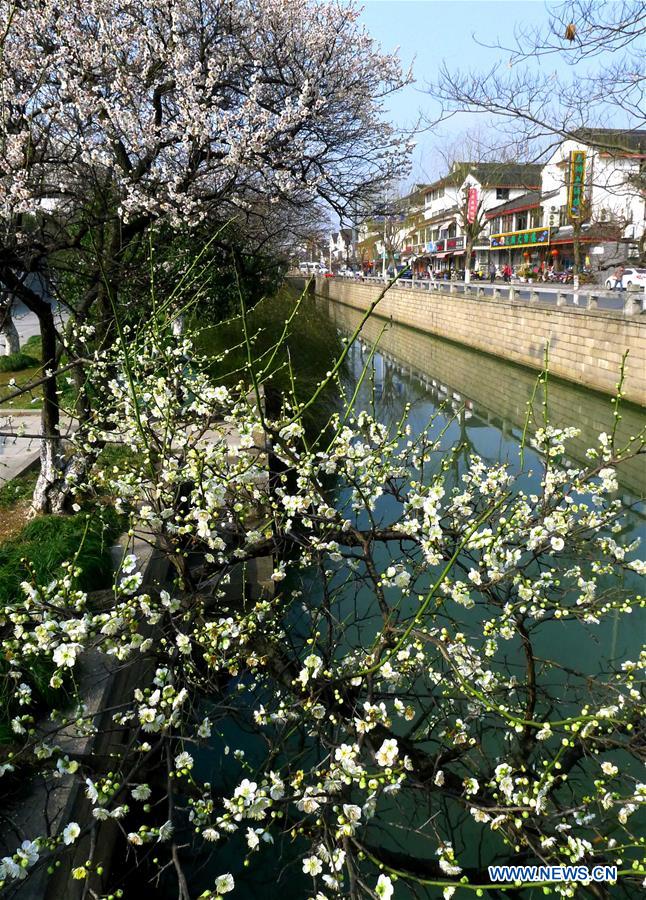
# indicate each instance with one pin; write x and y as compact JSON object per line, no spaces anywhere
{"x":585,"y":297}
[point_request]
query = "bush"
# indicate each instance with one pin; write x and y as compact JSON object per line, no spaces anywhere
{"x":16,"y":362}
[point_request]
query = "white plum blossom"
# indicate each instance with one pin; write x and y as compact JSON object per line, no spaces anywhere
{"x":384,"y":887}
{"x":141,"y":792}
{"x":224,"y":884}
{"x":373,"y":673}
{"x":71,"y":832}
{"x":184,"y":760}
{"x":312,"y":865}
{"x":387,"y":753}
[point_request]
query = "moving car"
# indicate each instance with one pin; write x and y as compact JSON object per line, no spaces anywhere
{"x":631,"y":277}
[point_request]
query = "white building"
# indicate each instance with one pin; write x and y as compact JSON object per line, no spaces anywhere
{"x":447,"y":209}
{"x":590,"y":191}
{"x":340,"y":249}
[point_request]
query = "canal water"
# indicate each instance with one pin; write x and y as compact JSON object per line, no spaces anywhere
{"x":481,"y":402}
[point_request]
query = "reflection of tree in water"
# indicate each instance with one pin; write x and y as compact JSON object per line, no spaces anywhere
{"x":391,"y":385}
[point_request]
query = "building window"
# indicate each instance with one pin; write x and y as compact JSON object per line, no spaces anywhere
{"x":521,"y":221}
{"x":502,"y":193}
{"x":536,"y":218}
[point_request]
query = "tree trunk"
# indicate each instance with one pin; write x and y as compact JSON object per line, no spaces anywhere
{"x":467,"y":261}
{"x":177,"y":325}
{"x":50,"y":449}
{"x":8,"y":329}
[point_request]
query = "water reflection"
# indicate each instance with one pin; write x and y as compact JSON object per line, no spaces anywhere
{"x":447,"y":386}
{"x":428,"y":371}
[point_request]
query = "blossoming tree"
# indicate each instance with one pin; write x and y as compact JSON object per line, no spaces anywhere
{"x":122,"y":115}
{"x":411,"y":722}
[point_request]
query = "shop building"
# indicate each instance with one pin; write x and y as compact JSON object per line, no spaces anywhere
{"x":456,"y":210}
{"x":587,"y":200}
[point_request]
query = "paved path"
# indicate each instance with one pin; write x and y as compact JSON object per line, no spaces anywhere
{"x":17,"y":454}
{"x":26,"y":323}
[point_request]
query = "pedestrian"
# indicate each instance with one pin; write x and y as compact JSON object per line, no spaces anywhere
{"x":618,"y":275}
{"x":492,"y":272}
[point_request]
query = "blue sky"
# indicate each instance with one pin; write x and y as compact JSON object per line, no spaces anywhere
{"x":429,"y":31}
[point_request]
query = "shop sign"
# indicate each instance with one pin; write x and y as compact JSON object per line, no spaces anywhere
{"x":472,"y":205}
{"x":439,"y":246}
{"x":577,"y":184}
{"x":456,"y":243}
{"x":431,"y":247}
{"x":529,"y":237}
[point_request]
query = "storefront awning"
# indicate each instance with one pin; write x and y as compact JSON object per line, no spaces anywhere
{"x":459,"y":253}
{"x":442,"y":255}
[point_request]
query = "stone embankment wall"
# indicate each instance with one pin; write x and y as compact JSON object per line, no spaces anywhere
{"x":498,"y":392}
{"x":585,"y":346}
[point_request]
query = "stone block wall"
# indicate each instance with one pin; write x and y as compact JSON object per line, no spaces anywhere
{"x":585,"y":346}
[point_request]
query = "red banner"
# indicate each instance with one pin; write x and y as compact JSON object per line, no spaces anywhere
{"x":472,"y":205}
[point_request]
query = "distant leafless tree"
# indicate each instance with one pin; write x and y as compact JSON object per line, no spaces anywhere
{"x":539,"y":106}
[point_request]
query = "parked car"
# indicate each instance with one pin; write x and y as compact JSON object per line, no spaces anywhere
{"x":636,"y":277}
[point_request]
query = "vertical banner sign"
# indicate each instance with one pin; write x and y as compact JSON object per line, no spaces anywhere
{"x":577,"y":184}
{"x":472,"y":205}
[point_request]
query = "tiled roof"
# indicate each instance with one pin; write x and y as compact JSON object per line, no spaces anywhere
{"x":525,"y":201}
{"x":619,"y":139}
{"x":493,"y":174}
{"x":496,"y":174}
{"x":444,"y":214}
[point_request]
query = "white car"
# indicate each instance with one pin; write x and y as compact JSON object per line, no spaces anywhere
{"x":631,"y":277}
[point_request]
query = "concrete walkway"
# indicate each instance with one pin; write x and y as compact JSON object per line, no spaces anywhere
{"x":18,"y":454}
{"x":27,"y":323}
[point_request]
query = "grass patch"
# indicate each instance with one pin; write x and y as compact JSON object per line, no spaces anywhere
{"x":22,"y":379}
{"x":37,"y":552}
{"x":20,"y":488}
{"x":46,"y":542}
{"x":33,"y":347}
{"x":16,"y":362}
